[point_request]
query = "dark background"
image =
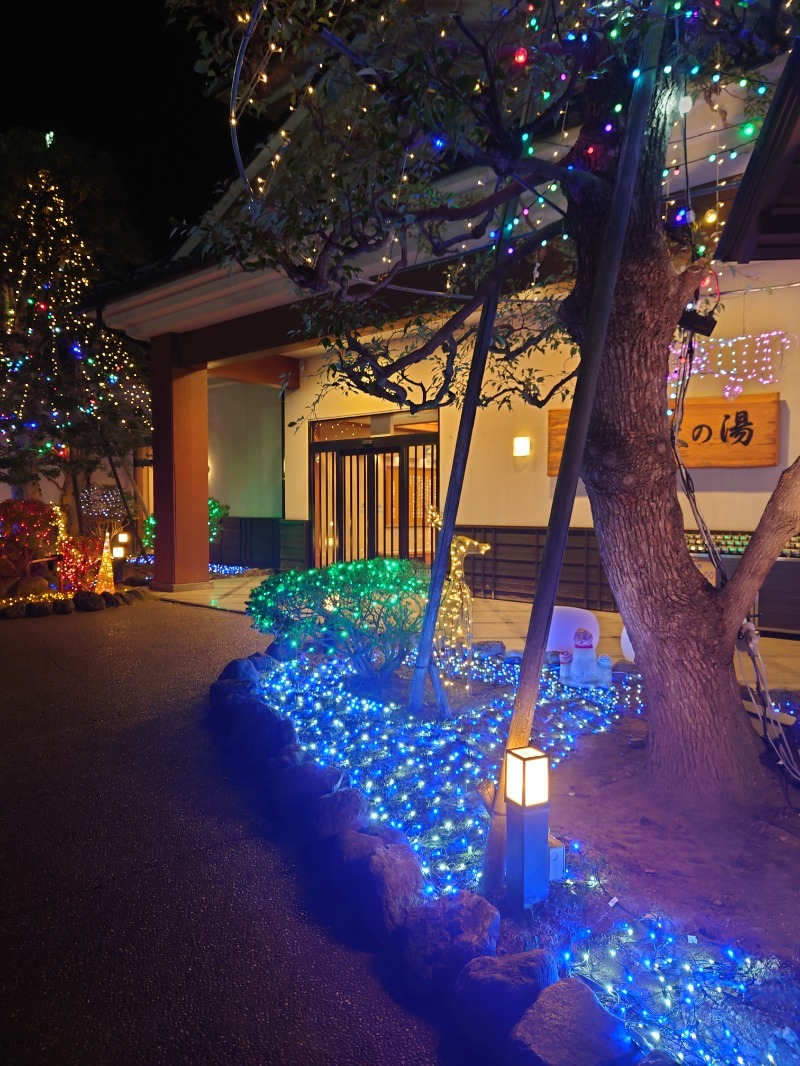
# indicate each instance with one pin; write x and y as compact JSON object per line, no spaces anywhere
{"x":116,"y":76}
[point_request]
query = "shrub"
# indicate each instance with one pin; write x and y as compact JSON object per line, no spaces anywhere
{"x":369,"y":611}
{"x":216,"y":512}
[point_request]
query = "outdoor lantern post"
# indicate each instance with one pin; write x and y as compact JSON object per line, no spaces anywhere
{"x":527,"y":849}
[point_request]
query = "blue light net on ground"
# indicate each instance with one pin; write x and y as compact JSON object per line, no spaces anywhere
{"x":688,"y":997}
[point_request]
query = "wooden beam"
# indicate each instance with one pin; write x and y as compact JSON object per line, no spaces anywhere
{"x":278,"y":370}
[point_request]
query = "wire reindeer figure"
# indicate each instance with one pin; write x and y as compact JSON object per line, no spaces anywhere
{"x":453,"y":636}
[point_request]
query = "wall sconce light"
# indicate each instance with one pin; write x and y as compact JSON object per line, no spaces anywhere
{"x":118,"y":551}
{"x":123,"y":538}
{"x":527,"y":846}
{"x":521,"y":447}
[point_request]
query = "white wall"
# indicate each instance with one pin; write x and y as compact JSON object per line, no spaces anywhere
{"x":244,"y":448}
{"x":501,"y":490}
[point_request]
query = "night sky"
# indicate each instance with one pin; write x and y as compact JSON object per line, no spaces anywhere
{"x":117,"y":77}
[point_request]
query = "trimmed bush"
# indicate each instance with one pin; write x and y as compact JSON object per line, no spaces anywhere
{"x":369,"y":611}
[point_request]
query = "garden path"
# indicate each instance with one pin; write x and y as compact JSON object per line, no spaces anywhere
{"x":145,"y":914}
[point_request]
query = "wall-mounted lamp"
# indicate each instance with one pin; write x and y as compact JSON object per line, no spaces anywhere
{"x":521,"y":447}
{"x":527,"y":805}
{"x":118,"y":551}
{"x":123,"y":538}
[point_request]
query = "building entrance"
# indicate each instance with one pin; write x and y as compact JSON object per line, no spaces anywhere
{"x":370,"y":496}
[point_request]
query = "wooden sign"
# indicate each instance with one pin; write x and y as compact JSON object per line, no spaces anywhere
{"x":717,"y":432}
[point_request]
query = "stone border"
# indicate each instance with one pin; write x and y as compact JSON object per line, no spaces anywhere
{"x":513,"y":1008}
{"x":79,"y":601}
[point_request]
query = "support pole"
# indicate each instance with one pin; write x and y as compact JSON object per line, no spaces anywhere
{"x":424,"y":663}
{"x":521,"y":725}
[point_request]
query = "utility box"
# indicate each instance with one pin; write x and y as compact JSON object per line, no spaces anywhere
{"x":557,"y":862}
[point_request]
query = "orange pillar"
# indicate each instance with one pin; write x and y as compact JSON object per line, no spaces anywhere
{"x":180,"y":468}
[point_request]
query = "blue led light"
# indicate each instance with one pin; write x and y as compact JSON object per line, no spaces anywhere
{"x":687,"y":998}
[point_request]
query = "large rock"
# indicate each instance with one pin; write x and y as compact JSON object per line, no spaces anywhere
{"x":297,"y":787}
{"x":32,"y":586}
{"x":283,"y":651}
{"x":109,"y":599}
{"x":488,"y":649}
{"x":493,"y":992}
{"x":443,"y":937}
{"x":226,"y":698}
{"x":566,"y":1026}
{"x":38,"y":608}
{"x":261,"y":661}
{"x":138,"y":580}
{"x":339,"y":812}
{"x":63,"y":606}
{"x":86,"y":600}
{"x":14,"y":610}
{"x":380,"y":881}
{"x":240,"y":670}
{"x":256,"y":732}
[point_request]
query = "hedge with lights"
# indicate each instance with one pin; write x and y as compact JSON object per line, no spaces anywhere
{"x":369,"y":611}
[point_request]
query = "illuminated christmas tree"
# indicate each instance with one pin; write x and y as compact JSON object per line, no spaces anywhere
{"x":105,"y":575}
{"x":71,"y":394}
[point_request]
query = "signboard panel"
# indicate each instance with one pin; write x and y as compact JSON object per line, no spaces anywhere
{"x":717,"y":432}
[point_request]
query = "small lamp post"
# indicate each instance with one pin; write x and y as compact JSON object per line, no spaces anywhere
{"x":527,"y":849}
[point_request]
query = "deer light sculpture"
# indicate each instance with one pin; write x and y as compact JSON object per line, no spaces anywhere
{"x":454,"y":623}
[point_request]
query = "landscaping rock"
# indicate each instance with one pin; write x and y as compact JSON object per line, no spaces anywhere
{"x":225,"y":697}
{"x":14,"y":610}
{"x":138,"y":581}
{"x":134,"y":593}
{"x":7,"y":586}
{"x":282,"y":651}
{"x":63,"y":606}
{"x":339,"y":812}
{"x":566,"y":1026}
{"x":513,"y":655}
{"x":256,"y":732}
{"x":443,"y":937}
{"x":379,"y":881}
{"x":261,"y":661}
{"x":350,"y":846}
{"x":488,"y":649}
{"x":298,"y":786}
{"x":109,"y":600}
{"x":493,"y":992}
{"x":240,"y":670}
{"x":122,"y":599}
{"x":88,"y":601}
{"x":32,"y":586}
{"x":290,"y":755}
{"x":38,"y":608}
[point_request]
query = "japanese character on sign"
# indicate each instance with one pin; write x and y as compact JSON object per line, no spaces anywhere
{"x":739,"y":432}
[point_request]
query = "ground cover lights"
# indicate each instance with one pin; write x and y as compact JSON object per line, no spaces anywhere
{"x":676,"y":992}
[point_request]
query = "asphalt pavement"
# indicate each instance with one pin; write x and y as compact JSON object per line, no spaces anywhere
{"x":149,"y":912}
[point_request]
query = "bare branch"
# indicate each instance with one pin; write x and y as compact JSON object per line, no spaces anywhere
{"x":778,"y":524}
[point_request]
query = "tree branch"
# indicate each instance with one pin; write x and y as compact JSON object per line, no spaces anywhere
{"x":778,"y":524}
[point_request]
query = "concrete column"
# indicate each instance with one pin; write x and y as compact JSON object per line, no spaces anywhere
{"x":180,"y":469}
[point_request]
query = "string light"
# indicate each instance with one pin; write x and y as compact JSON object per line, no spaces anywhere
{"x":757,"y":357}
{"x":59,"y":373}
{"x":420,"y":777}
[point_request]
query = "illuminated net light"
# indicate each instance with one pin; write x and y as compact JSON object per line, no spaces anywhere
{"x":421,"y":776}
{"x":758,"y":357}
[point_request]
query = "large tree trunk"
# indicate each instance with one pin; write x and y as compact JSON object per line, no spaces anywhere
{"x":683,"y":629}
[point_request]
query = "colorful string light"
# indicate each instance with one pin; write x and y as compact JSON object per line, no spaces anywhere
{"x":758,"y":357}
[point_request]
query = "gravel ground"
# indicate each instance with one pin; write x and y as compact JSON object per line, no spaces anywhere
{"x":148,"y":913}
